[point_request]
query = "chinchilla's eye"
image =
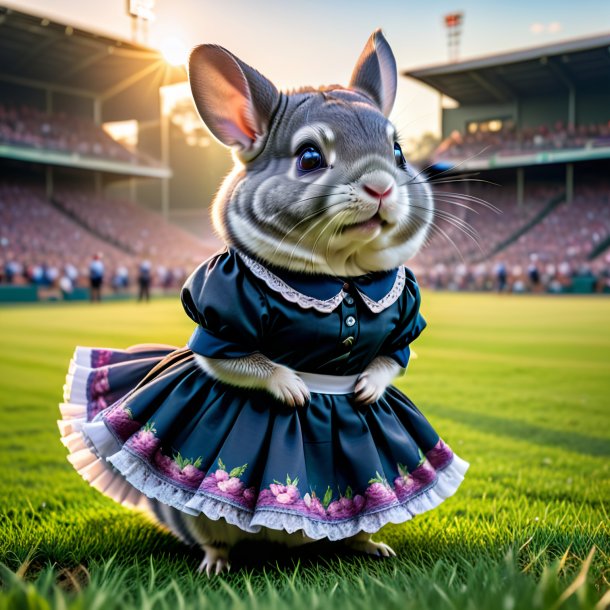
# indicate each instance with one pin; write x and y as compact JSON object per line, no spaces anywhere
{"x":398,"y":156}
{"x":309,"y":158}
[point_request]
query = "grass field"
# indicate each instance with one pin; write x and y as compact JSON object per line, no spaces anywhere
{"x":520,"y":387}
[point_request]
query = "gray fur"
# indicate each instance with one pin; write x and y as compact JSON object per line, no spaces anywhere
{"x":301,"y":222}
{"x":376,"y":74}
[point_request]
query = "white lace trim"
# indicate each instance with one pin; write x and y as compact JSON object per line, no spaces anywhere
{"x":138,"y":474}
{"x":306,"y":302}
{"x":391,"y":297}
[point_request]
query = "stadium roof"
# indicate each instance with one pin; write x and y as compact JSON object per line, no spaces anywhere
{"x":39,"y":52}
{"x":582,"y":63}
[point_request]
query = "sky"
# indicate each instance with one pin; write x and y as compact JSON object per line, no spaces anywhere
{"x":315,"y":42}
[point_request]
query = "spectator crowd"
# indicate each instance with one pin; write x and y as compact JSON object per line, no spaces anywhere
{"x":488,"y":243}
{"x":511,"y":141}
{"x":553,"y":254}
{"x":62,"y":132}
{"x":43,"y":245}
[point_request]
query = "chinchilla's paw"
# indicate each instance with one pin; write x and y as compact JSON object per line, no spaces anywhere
{"x":375,"y":379}
{"x":370,"y":387}
{"x":216,"y":560}
{"x":288,"y":387}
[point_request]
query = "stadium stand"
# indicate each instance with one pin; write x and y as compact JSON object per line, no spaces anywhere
{"x":508,"y":140}
{"x":27,"y":126}
{"x":133,"y":228}
{"x":561,"y":245}
{"x":58,"y":163}
{"x":534,"y":125}
{"x":40,"y":241}
{"x":537,"y":122}
{"x":487,"y":217}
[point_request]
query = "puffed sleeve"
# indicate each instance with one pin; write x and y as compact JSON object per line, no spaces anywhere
{"x":410,"y":325}
{"x":229,"y":308}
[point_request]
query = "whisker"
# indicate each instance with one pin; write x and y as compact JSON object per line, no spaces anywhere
{"x":309,"y":216}
{"x":456,"y":203}
{"x":313,"y":226}
{"x":442,"y":233}
{"x":464,"y":228}
{"x":455,"y":180}
{"x":453,"y":220}
{"x":334,"y":233}
{"x":291,"y":203}
{"x":449,"y":197}
{"x":461,"y":163}
{"x":336,"y":218}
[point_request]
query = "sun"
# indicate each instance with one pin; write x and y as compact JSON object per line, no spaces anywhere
{"x":174,"y":51}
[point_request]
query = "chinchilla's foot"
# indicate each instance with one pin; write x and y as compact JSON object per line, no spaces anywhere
{"x":363,"y":544}
{"x":216,"y":560}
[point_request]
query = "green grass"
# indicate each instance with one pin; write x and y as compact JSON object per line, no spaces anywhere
{"x":518,"y":386}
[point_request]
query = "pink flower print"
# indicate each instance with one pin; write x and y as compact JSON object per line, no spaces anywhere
{"x":346,"y":507}
{"x":192,"y":476}
{"x":265,"y":498}
{"x":285,"y":494}
{"x":358,"y":502}
{"x":440,"y":455}
{"x":314,"y":505}
{"x":290,"y":496}
{"x":346,"y":503}
{"x":166,"y":465}
{"x":231,"y":485}
{"x":404,"y":486}
{"x":249,"y":495}
{"x":335,"y":509}
{"x":145,"y":443}
{"x":221,"y":475}
{"x":378,"y":493}
{"x":423,"y":475}
{"x":276,"y":488}
{"x":120,"y":420}
{"x":99,"y":383}
{"x":100,"y":357}
{"x":95,"y":406}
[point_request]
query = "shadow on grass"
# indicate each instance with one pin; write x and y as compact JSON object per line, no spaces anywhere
{"x":501,"y":426}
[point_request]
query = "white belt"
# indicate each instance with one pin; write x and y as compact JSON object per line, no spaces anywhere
{"x":329,"y":384}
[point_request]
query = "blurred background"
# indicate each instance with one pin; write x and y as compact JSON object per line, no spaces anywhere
{"x":104,"y":163}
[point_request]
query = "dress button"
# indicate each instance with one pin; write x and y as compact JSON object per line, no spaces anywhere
{"x":350,"y":320}
{"x":349,"y":300}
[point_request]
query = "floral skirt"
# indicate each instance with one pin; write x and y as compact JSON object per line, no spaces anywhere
{"x":147,"y":422}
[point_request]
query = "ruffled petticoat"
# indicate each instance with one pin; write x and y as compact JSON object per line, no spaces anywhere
{"x":148,"y":423}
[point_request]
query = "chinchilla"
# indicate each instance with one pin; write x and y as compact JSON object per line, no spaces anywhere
{"x":320,"y":186}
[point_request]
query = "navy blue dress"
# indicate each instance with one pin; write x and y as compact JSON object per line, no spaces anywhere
{"x":331,"y":469}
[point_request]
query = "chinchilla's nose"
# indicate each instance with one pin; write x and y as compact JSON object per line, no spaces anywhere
{"x":377,"y":185}
{"x":373,"y":192}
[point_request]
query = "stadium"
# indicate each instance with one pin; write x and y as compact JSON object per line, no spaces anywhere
{"x":532,"y":131}
{"x":103,"y":157}
{"x":530,"y":136}
{"x":68,"y":190}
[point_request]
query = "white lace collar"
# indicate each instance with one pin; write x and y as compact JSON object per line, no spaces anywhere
{"x":305,"y":301}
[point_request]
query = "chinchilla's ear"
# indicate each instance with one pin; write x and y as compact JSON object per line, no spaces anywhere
{"x":233,"y":99}
{"x":375,"y":73}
